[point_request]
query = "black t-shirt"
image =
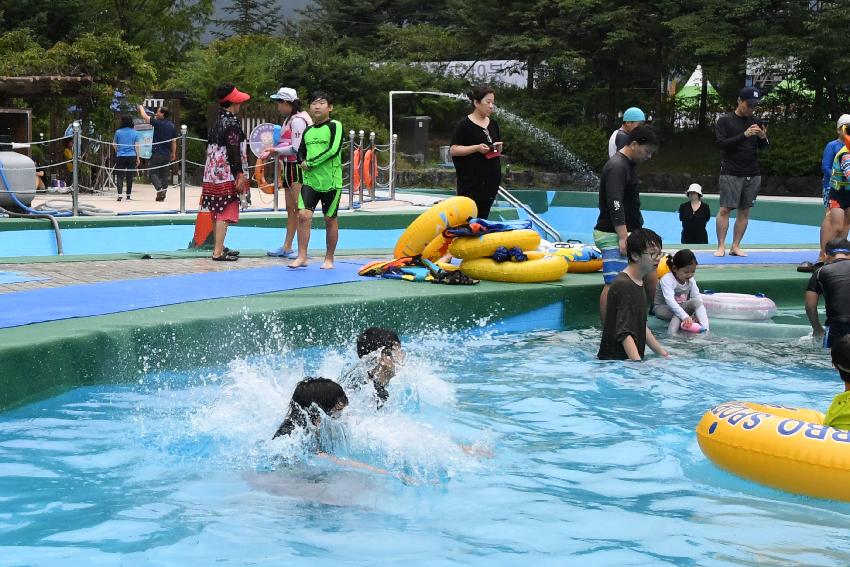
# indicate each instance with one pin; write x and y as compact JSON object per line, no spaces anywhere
{"x":162,"y":130}
{"x":693,"y":223}
{"x":619,"y":197}
{"x":833,"y":282}
{"x":477,"y":175}
{"x":738,"y":154}
{"x":626,"y":315}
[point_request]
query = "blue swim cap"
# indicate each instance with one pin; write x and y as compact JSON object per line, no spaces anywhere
{"x":634,"y":114}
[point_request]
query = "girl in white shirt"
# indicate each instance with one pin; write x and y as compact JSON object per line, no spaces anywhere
{"x":677,"y":298}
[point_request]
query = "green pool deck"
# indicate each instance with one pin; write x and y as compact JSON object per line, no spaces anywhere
{"x":44,"y":359}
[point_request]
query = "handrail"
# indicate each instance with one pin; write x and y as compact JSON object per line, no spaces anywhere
{"x":535,"y":218}
{"x":51,"y":218}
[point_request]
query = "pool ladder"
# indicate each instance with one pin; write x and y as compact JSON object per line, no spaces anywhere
{"x":535,"y":218}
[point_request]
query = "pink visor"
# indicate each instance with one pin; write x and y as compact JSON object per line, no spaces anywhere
{"x":235,"y":96}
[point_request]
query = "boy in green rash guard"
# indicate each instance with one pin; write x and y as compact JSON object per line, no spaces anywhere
{"x":321,"y":162}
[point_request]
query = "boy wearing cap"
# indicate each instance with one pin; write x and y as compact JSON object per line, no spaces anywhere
{"x":694,"y":216}
{"x":295,"y":122}
{"x":740,"y":137}
{"x":833,"y":282}
{"x":319,"y":156}
{"x":632,"y":118}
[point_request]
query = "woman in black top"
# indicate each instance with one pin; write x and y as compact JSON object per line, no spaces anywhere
{"x":476,"y":147}
{"x":694,"y":216}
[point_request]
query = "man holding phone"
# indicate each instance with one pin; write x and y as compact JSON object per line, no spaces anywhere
{"x":740,"y":137}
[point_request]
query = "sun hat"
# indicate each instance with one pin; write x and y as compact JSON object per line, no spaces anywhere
{"x":634,"y":114}
{"x":285,"y":94}
{"x":694,"y":188}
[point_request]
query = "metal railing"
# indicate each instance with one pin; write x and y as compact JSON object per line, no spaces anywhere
{"x":535,"y":218}
{"x":382,"y":160}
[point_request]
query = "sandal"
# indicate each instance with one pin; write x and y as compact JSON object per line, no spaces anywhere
{"x":225,"y":258}
{"x":229,"y":252}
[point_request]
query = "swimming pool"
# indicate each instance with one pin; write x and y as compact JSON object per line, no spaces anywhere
{"x":578,"y":223}
{"x":595,"y":461}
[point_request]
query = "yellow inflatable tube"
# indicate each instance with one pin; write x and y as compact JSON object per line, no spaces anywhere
{"x":468,"y":247}
{"x":535,"y":269}
{"x":453,"y":211}
{"x":786,"y":448}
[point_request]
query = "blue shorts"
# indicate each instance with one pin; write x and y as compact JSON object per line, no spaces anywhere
{"x":835,"y":330}
{"x":612,"y":261}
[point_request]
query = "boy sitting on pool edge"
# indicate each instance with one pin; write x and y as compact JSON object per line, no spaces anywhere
{"x":624,"y":331}
{"x":838,"y":414}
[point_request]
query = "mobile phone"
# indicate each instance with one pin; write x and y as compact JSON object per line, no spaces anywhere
{"x":764,"y":122}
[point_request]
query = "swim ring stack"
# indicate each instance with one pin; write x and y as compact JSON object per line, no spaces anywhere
{"x":427,"y":229}
{"x":786,"y":448}
{"x":477,"y":251}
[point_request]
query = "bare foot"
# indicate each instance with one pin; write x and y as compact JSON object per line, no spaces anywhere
{"x":720,"y":252}
{"x":298,"y":263}
{"x":737,"y":252}
{"x":328,"y":264}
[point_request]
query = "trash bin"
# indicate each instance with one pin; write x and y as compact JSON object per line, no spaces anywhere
{"x":445,"y":155}
{"x":413,"y":136}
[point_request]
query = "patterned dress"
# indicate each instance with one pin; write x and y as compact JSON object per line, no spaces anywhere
{"x":226,"y":158}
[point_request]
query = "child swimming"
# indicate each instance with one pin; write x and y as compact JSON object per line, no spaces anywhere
{"x":678,"y":299}
{"x":312,"y":398}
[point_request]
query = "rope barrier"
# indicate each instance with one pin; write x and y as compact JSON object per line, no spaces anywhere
{"x":98,"y":166}
{"x":50,"y":141}
{"x":116,"y":145}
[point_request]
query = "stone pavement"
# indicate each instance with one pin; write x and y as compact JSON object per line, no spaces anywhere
{"x":60,"y":274}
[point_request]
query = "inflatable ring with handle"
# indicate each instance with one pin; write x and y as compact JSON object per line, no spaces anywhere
{"x":454,"y":211}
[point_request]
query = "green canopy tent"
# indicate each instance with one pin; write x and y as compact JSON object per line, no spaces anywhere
{"x":688,"y":95}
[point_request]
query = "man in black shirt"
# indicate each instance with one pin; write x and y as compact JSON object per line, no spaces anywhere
{"x":739,"y":136}
{"x":619,"y":207}
{"x":833,"y":282}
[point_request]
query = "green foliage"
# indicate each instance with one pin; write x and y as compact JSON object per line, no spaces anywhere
{"x":588,"y":143}
{"x":796,"y":148}
{"x":352,"y":119}
{"x":247,"y":17}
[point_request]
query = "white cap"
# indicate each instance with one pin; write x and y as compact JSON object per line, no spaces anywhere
{"x":285,"y":94}
{"x":843,"y":120}
{"x":694,"y":188}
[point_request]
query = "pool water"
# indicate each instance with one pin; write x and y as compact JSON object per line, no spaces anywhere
{"x":578,"y":223}
{"x":591,"y":461}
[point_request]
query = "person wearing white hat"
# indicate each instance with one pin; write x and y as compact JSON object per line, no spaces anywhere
{"x":295,"y":122}
{"x":694,"y":215}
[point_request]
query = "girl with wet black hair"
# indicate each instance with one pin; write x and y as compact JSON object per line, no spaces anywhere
{"x":312,"y":395}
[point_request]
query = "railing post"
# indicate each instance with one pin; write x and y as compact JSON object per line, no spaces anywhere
{"x":393,"y":145}
{"x":75,"y":193}
{"x":374,"y":167}
{"x":351,"y":170}
{"x":362,"y":135}
{"x":276,"y":198}
{"x":183,"y":141}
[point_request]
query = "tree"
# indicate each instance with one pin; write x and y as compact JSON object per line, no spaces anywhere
{"x":247,"y":17}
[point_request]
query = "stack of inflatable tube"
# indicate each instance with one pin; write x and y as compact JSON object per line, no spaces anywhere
{"x":740,"y":306}
{"x":539,"y":267}
{"x":583,"y":258}
{"x":429,"y":226}
{"x":786,"y":448}
{"x":475,"y":251}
